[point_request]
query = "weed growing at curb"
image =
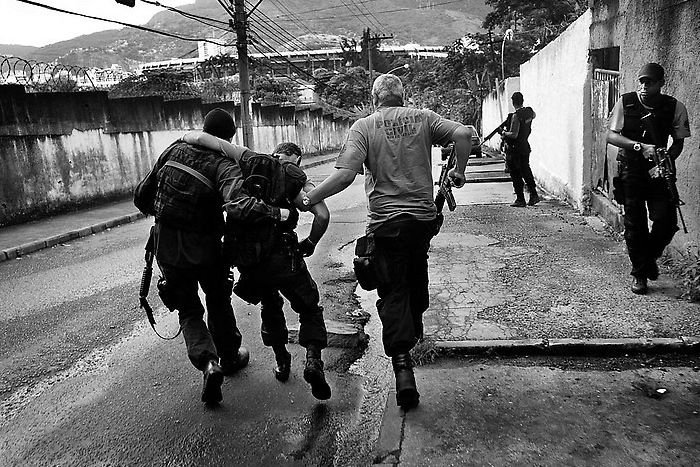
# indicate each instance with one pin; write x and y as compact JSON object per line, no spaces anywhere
{"x":686,"y":268}
{"x":424,"y":352}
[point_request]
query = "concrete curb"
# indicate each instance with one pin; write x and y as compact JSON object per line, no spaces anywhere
{"x":571,"y":347}
{"x":31,"y":247}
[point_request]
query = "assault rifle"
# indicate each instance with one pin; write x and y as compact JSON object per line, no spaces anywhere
{"x":664,"y":167}
{"x":146,"y":284}
{"x":498,"y":129}
{"x":445,"y":185}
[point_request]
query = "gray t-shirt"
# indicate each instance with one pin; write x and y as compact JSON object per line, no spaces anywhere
{"x":394,"y":145}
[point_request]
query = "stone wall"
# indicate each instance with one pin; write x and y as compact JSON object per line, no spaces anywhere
{"x":62,"y":150}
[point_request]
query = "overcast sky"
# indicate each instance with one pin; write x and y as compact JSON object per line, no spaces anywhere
{"x":25,"y":24}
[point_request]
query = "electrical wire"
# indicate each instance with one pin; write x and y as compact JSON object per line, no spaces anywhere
{"x":385,"y":11}
{"x":135,"y":26}
{"x":186,"y":14}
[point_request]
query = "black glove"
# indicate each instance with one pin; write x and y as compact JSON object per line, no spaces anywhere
{"x":306,"y":247}
{"x":291,"y":220}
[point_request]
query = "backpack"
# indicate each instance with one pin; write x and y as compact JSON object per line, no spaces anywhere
{"x":268,"y":179}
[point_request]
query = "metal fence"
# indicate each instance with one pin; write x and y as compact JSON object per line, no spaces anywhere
{"x":613,"y":80}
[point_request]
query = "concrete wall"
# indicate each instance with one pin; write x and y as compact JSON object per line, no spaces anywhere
{"x":556,"y":83}
{"x":495,"y":108}
{"x":62,"y":150}
{"x":665,"y":32}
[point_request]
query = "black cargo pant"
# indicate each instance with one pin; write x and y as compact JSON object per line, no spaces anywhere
{"x":401,"y":262}
{"x":221,"y":338}
{"x":641,"y":192}
{"x":518,"y":164}
{"x":285,"y":273}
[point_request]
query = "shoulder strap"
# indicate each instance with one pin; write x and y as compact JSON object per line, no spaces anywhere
{"x":192,"y":172}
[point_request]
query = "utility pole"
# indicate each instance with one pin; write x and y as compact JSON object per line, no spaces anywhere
{"x":240,"y":25}
{"x":368,"y":39}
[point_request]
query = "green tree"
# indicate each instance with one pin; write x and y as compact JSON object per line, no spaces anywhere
{"x":347,"y":89}
{"x":170,"y":85}
{"x":268,"y":89}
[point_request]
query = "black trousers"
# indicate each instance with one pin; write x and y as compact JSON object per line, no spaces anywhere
{"x":284,"y":274}
{"x":220,"y":336}
{"x":520,"y":172}
{"x":401,"y":262}
{"x":646,"y":199}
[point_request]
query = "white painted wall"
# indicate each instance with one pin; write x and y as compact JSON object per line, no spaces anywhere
{"x":556,"y":84}
{"x":496,"y":107}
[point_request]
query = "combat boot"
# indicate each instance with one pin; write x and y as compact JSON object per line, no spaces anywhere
{"x":519,"y":201}
{"x":283,"y":360}
{"x":313,"y":374}
{"x":407,"y":396}
{"x":213,"y":378}
{"x":534,"y":198}
{"x":231,"y":366}
{"x":652,"y":271}
{"x":639,"y":285}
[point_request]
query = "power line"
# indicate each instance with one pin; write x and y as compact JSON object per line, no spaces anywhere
{"x":186,"y":14}
{"x":135,"y":26}
{"x":331,"y":7}
{"x":281,"y":30}
{"x":376,"y":21}
{"x":384,"y":11}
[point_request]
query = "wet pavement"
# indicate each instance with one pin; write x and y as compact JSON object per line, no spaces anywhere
{"x":533,"y":340}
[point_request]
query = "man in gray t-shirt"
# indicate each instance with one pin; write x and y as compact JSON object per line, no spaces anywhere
{"x":392,"y":147}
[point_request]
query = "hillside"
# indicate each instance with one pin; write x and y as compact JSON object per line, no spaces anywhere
{"x":16,"y":50}
{"x":428,"y":22}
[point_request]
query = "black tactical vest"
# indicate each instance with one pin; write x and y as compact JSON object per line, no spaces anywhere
{"x":662,"y":118}
{"x":185,"y":201}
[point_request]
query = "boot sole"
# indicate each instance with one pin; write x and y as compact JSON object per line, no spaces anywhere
{"x":407,"y":398}
{"x":281,"y":375}
{"x":319,"y":387}
{"x":211,"y":393}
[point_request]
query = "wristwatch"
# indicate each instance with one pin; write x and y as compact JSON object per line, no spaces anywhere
{"x":637,"y":147}
{"x":305,"y":200}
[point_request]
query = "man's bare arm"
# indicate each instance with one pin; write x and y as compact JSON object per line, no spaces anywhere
{"x":335,"y":183}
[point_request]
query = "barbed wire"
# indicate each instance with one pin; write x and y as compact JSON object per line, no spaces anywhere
{"x":47,"y":77}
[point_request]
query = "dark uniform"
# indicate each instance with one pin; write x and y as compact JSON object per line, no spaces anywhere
{"x":281,"y":269}
{"x":518,"y":153}
{"x":640,"y":190}
{"x":189,"y":227}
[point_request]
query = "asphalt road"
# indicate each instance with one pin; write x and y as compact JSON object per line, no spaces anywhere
{"x":85,"y":381}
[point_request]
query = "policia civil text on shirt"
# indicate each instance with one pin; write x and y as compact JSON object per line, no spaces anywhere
{"x":392,"y":148}
{"x":186,"y":191}
{"x":261,"y":242}
{"x":640,"y":125}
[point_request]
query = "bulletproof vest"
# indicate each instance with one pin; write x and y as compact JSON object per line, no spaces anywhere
{"x":276,"y":183}
{"x":186,"y":197}
{"x":273,"y":181}
{"x":525,"y":117}
{"x":662,"y":118}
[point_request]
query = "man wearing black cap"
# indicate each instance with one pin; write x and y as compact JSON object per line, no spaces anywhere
{"x":518,"y":151}
{"x":636,"y":187}
{"x":185,"y":191}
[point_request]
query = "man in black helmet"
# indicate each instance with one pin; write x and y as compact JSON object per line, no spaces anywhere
{"x":637,"y":188}
{"x":186,"y":191}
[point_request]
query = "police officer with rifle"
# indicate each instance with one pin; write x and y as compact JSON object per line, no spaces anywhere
{"x":640,"y":125}
{"x":186,"y":191}
{"x":392,"y":148}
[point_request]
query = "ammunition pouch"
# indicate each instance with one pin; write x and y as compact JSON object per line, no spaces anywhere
{"x":167,"y":294}
{"x":247,"y":290}
{"x":618,"y":190}
{"x":364,"y":263}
